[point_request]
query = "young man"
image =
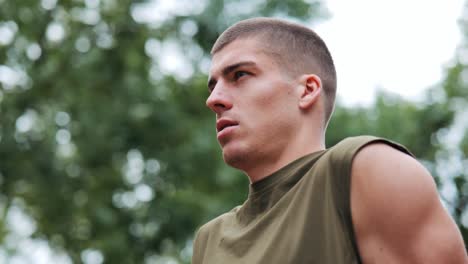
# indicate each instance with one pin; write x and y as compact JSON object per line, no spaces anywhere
{"x":272,"y":87}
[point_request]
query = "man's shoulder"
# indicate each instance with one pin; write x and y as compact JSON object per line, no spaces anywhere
{"x":352,"y":140}
{"x":209,"y":231}
{"x":348,"y":147}
{"x":215,"y":224}
{"x":358,"y":142}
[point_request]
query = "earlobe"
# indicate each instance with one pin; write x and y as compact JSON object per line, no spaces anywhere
{"x":311,"y":89}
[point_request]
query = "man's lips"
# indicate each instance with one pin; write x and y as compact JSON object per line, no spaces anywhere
{"x":223,"y":123}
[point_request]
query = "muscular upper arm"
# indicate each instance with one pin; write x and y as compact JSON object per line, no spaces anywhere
{"x":396,"y":211}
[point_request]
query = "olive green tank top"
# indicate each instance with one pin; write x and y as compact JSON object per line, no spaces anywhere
{"x":299,"y":214}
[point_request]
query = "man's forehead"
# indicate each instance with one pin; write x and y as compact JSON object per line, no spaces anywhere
{"x":235,"y":52}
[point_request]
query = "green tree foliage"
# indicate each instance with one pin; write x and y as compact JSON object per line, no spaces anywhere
{"x":105,"y":142}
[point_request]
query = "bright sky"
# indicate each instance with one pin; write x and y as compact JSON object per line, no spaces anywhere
{"x":400,"y":46}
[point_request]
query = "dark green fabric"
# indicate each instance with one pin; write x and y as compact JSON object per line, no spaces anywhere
{"x":299,"y":214}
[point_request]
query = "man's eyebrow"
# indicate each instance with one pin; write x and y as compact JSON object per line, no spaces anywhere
{"x":227,"y":70}
{"x":233,"y":67}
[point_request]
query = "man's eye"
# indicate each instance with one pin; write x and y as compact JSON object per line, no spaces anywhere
{"x":239,"y":74}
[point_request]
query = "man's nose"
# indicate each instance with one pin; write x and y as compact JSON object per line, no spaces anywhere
{"x":219,"y":101}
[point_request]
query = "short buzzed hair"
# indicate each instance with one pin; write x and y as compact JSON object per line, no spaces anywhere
{"x":298,"y":50}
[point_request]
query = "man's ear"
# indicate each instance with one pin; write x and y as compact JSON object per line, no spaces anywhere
{"x":311,"y":88}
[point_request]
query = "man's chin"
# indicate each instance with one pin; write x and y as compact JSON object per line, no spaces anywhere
{"x":235,"y":158}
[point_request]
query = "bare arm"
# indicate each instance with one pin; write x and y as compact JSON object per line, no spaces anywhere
{"x":396,"y":211}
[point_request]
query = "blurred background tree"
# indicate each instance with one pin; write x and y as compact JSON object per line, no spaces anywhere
{"x":107,"y":152}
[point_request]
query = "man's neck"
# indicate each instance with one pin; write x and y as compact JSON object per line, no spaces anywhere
{"x":267,"y":167}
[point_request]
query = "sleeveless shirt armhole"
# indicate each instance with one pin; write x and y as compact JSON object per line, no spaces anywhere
{"x":344,"y":156}
{"x":341,"y":158}
{"x":344,"y":152}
